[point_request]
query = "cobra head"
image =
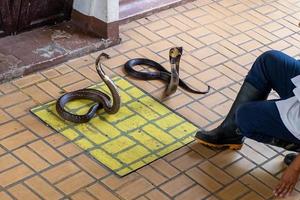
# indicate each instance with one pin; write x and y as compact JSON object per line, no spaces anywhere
{"x":175,"y":55}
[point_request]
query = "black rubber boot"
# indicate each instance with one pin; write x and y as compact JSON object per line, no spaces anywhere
{"x":226,"y":135}
{"x":289,"y":158}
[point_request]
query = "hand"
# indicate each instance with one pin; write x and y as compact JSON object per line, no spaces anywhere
{"x":287,"y":182}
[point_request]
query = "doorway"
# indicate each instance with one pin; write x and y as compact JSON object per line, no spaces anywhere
{"x":19,"y":15}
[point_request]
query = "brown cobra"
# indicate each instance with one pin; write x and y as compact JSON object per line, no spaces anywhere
{"x":101,"y":99}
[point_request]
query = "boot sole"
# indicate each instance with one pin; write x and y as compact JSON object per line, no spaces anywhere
{"x":219,"y":146}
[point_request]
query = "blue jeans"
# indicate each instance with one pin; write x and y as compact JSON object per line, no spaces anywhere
{"x":260,"y":120}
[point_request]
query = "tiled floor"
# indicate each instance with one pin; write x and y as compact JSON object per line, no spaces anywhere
{"x":221,"y":39}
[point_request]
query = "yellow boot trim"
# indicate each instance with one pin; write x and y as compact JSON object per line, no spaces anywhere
{"x":230,"y":146}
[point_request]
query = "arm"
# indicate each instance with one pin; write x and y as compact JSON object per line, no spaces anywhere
{"x":289,"y":179}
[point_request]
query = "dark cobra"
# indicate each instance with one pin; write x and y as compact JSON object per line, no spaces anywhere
{"x":101,"y":99}
{"x":171,"y":78}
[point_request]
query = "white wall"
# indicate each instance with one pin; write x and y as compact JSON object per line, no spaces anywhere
{"x":105,"y":10}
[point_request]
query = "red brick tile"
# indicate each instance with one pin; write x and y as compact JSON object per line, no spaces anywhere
{"x":137,"y":37}
{"x":215,"y":171}
{"x":4,"y":196}
{"x":56,"y":139}
{"x":78,"y":85}
{"x":203,"y":179}
{"x":70,"y":150}
{"x":251,"y":196}
{"x":46,"y":152}
{"x":50,"y":73}
{"x":193,"y":116}
{"x":177,"y":185}
{"x":42,"y":188}
{"x":257,"y":186}
{"x":213,"y":100}
{"x":82,"y":195}
{"x":28,"y":80}
{"x":81,"y":61}
{"x":67,"y":79}
{"x":151,"y":175}
{"x":202,"y":150}
{"x":252,"y":155}
{"x":63,"y":69}
{"x":147,"y":33}
{"x":35,"y":125}
{"x":18,"y":140}
{"x":20,"y":109}
{"x":50,"y":89}
{"x":4,"y":117}
{"x":165,"y":168}
{"x":22,"y":192}
{"x":225,"y":158}
{"x":265,"y":177}
{"x":7,"y":161}
{"x":14,"y":174}
{"x":12,"y":99}
{"x":75,"y":182}
{"x":134,"y":189}
{"x":7,"y":87}
{"x":91,"y":167}
{"x":37,"y":94}
{"x":240,"y":167}
{"x":195,"y":193}
{"x":232,"y":191}
{"x":156,"y":194}
{"x":178,"y":101}
{"x":101,"y":192}
{"x":204,"y":111}
{"x":114,"y":182}
{"x":160,"y":46}
{"x":187,"y":161}
{"x":60,"y":172}
{"x":31,"y":159}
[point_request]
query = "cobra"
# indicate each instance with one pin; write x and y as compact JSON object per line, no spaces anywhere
{"x":101,"y":99}
{"x":171,"y":78}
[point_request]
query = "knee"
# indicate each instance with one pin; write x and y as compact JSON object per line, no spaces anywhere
{"x":243,"y":120}
{"x":269,"y":56}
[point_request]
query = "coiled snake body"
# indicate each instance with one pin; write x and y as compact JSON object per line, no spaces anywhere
{"x":172,"y":78}
{"x":102,"y":100}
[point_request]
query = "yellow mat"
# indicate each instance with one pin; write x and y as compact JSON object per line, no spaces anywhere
{"x":141,"y":132}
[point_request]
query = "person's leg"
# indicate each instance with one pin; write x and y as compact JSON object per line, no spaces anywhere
{"x":271,"y":70}
{"x":274,"y":70}
{"x":261,"y":121}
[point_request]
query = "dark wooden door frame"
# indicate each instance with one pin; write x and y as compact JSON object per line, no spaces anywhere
{"x":20,"y":15}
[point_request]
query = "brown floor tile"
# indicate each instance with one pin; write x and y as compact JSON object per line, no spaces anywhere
{"x":232,"y":191}
{"x":91,"y":167}
{"x":22,"y":192}
{"x":152,"y":175}
{"x":4,"y":196}
{"x":177,"y":185}
{"x":31,"y":159}
{"x":60,"y":172}
{"x":214,"y":171}
{"x":204,"y":180}
{"x":75,"y":182}
{"x":44,"y":189}
{"x":194,"y":193}
{"x":7,"y":161}
{"x":18,"y":140}
{"x":14,"y":175}
{"x":82,"y":195}
{"x":134,"y":189}
{"x":46,"y":152}
{"x":156,"y":194}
